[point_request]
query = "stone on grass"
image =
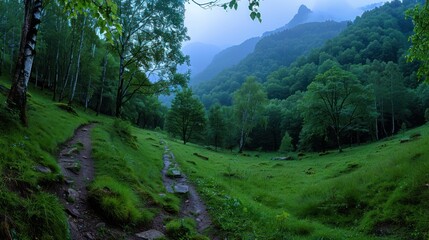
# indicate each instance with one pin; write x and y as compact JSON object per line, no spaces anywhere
{"x":283,"y":158}
{"x":150,"y":235}
{"x":176,"y":173}
{"x":181,"y":188}
{"x":42,"y":169}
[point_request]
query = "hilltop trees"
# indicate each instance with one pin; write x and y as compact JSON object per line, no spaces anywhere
{"x":186,"y":116}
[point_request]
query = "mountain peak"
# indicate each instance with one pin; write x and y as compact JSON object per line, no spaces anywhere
{"x":303,"y":10}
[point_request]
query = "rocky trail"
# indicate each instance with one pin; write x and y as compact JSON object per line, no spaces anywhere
{"x":176,"y":182}
{"x":77,"y":168}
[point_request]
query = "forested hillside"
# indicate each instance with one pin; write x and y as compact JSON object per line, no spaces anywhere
{"x":370,"y":50}
{"x":233,"y":55}
{"x":225,"y":59}
{"x":270,"y":53}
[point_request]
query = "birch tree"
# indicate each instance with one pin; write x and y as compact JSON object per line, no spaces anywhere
{"x":104,"y":11}
{"x":248,"y":102}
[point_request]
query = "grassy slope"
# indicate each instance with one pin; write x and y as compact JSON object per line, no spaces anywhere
{"x":127,"y":174}
{"x":373,"y":191}
{"x":22,"y":202}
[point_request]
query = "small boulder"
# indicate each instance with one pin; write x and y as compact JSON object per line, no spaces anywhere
{"x":404,"y":140}
{"x":176,"y":173}
{"x":68,"y":181}
{"x":89,"y":236}
{"x":72,"y":195}
{"x":43,"y":169}
{"x":201,"y":156}
{"x":100,"y":225}
{"x":180,"y":188}
{"x":283,"y":158}
{"x":150,"y":235}
{"x":73,"y":212}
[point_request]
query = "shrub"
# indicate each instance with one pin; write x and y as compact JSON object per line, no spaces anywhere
{"x":47,"y":212}
{"x":181,"y":228}
{"x":67,"y":108}
{"x":286,"y":144}
{"x":116,"y":203}
{"x":123,"y":130}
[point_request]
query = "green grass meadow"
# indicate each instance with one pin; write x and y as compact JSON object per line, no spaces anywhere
{"x":373,"y":191}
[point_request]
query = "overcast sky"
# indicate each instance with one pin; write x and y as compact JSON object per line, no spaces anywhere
{"x":224,"y":28}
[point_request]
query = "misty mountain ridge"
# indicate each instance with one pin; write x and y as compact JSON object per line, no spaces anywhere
{"x":335,"y":12}
{"x":201,"y":54}
{"x":233,"y":55}
{"x":225,"y":59}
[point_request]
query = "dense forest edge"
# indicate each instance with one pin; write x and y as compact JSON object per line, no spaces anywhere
{"x":330,"y":143}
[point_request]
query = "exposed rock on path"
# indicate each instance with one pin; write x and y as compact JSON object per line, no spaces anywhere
{"x":192,"y":206}
{"x":77,"y":168}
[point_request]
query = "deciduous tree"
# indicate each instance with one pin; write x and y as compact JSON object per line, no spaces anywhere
{"x":336,"y":101}
{"x":186,"y":116}
{"x":248,"y":102}
{"x":216,"y":126}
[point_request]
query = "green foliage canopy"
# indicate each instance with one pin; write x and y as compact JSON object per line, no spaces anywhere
{"x":420,"y":39}
{"x":336,"y":101}
{"x":186,"y":116}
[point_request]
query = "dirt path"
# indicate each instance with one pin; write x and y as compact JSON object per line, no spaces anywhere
{"x":78,"y":170}
{"x":176,"y":182}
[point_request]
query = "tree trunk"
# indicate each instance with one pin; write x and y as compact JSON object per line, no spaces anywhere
{"x":73,"y":91}
{"x":340,"y":149}
{"x":376,"y":120}
{"x":12,"y":49}
{"x":87,"y":97}
{"x":382,"y":118}
{"x":57,"y":72}
{"x":3,"y":52}
{"x":241,"y":145}
{"x":66,"y":76}
{"x":119,"y":94}
{"x":392,"y":106}
{"x":103,"y":78}
{"x":17,"y":98}
{"x":37,"y":78}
